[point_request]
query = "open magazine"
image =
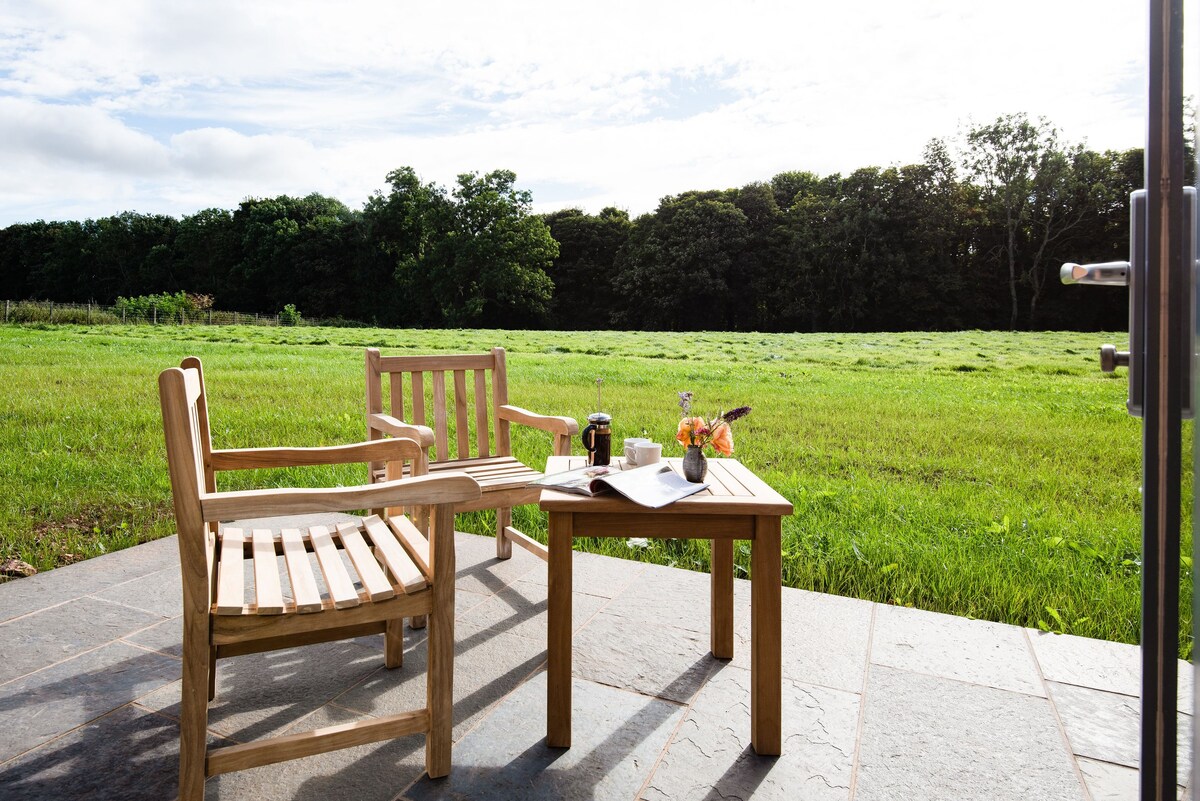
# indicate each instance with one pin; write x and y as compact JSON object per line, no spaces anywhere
{"x":654,"y":485}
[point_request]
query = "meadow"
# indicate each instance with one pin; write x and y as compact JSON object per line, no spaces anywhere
{"x":986,"y":474}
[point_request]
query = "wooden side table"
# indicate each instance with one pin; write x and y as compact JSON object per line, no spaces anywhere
{"x":738,"y":505}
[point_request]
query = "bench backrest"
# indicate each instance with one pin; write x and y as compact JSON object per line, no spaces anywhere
{"x":456,"y":395}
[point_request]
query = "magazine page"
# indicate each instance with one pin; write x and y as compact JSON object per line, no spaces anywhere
{"x":578,"y":480}
{"x":654,"y":485}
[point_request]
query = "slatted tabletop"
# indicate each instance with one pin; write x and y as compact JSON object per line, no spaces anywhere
{"x":732,"y":489}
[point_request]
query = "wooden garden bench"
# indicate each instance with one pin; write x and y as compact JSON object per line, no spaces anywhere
{"x":470,"y":431}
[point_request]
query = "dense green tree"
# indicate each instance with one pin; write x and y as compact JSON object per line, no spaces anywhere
{"x":1027,"y":182}
{"x":402,"y":231}
{"x":583,"y":271}
{"x":207,"y":247}
{"x":293,"y":250}
{"x":490,"y":270}
{"x":128,"y":254}
{"x":754,"y":270}
{"x":787,"y":185}
{"x":970,"y":238}
{"x":674,"y":274}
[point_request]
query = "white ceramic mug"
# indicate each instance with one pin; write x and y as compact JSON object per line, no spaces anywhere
{"x":631,"y":444}
{"x":647,"y":453}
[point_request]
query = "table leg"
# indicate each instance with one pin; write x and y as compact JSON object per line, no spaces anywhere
{"x":766,"y":653}
{"x":721,"y":626}
{"x":558,"y":647}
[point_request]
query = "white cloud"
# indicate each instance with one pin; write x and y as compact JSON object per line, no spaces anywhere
{"x":172,"y":107}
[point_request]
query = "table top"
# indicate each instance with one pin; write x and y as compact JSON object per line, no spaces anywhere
{"x":732,"y":489}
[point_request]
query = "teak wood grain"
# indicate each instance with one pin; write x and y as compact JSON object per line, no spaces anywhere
{"x":736,"y":505}
{"x":459,"y":403}
{"x":218,"y":623}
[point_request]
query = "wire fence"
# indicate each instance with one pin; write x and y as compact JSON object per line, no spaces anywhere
{"x":41,"y":311}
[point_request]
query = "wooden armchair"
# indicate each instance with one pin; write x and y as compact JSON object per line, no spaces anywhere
{"x":400,"y":573}
{"x":487,"y":457}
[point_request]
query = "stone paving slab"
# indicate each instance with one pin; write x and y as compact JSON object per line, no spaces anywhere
{"x":520,"y":608}
{"x":22,"y":596}
{"x":825,"y":638}
{"x":128,"y":755}
{"x":487,"y":666}
{"x":375,"y":772}
{"x":660,"y":661}
{"x":41,"y":639}
{"x":1100,"y":665}
{"x":616,"y":738}
{"x":595,"y":575}
{"x":975,"y":651}
{"x":940,"y":739}
{"x":1104,"y":726}
{"x":262,"y":695}
{"x":1108,"y":782}
{"x":710,"y":755}
{"x":165,"y":637}
{"x":53,"y":701}
{"x":666,"y":596}
{"x":159,"y":593}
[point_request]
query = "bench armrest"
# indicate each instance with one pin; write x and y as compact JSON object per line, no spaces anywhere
{"x":564,"y":426}
{"x":422,"y":490}
{"x":398,"y":428}
{"x":383,"y":450}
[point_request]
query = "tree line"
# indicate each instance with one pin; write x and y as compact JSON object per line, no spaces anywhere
{"x":970,"y":237}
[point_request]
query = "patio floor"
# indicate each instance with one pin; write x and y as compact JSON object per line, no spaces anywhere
{"x":880,"y":702}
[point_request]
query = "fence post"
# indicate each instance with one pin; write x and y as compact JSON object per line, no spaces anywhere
{"x":122,"y":315}
{"x":256,"y":318}
{"x":51,"y":311}
{"x":210,"y":316}
{"x":154,"y":310}
{"x":89,"y":313}
{"x":6,"y":311}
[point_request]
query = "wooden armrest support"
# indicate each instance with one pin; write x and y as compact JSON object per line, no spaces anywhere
{"x":381,"y":450}
{"x":442,"y":488}
{"x":398,"y":428}
{"x":555,"y":425}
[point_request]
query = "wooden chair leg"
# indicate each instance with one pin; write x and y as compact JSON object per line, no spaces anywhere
{"x":212,"y":672}
{"x":503,"y":543}
{"x":393,"y":643}
{"x":439,"y":681}
{"x":193,"y":715}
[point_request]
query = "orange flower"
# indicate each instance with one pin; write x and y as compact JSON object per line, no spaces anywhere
{"x":722,"y":439}
{"x":687,"y":428}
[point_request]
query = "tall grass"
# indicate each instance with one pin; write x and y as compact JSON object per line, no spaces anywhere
{"x":993,"y":475}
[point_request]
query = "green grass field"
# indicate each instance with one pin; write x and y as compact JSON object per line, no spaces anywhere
{"x":992,"y":475}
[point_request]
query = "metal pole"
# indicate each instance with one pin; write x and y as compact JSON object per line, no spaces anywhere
{"x":1161,"y":431}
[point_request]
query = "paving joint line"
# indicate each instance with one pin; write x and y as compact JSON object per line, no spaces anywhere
{"x":1062,"y":729}
{"x":862,"y":705}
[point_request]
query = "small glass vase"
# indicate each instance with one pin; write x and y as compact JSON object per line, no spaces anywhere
{"x":695,"y":464}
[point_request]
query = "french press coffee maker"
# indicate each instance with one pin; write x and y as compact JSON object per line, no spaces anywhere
{"x":597,"y":438}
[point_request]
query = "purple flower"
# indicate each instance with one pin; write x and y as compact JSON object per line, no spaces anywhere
{"x":736,"y":414}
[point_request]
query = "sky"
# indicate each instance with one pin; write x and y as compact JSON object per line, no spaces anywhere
{"x":173,"y":107}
